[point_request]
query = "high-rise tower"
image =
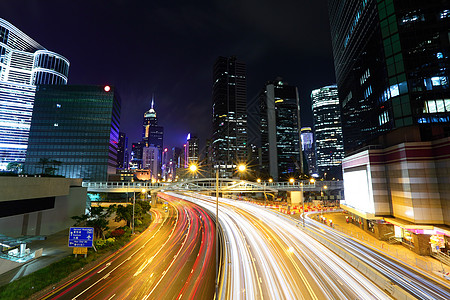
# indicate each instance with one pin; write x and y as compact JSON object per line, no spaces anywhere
{"x":328,"y":131}
{"x":392,"y":61}
{"x":152,"y":136}
{"x":279,"y":129}
{"x":229,"y":95}
{"x":23,"y":64}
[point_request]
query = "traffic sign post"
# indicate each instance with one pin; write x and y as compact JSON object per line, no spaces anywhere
{"x":81,"y":237}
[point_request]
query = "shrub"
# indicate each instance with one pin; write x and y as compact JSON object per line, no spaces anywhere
{"x":117,"y":233}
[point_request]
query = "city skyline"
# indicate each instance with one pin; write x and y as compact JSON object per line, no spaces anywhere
{"x":157,"y":32}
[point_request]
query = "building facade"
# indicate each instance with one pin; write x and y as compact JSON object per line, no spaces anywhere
{"x":328,"y":132}
{"x":392,"y":71}
{"x":122,"y":155}
{"x":392,"y":68}
{"x":77,"y":126}
{"x":152,"y":135}
{"x":308,"y":148}
{"x":279,"y":128}
{"x":150,"y":162}
{"x":229,"y":95}
{"x":192,"y":147}
{"x":23,"y":64}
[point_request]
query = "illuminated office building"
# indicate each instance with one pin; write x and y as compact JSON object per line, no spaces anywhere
{"x":192,"y":154}
{"x":279,"y":130}
{"x":328,"y":132}
{"x":23,"y":64}
{"x":122,"y":151}
{"x":229,"y":95}
{"x":77,"y":126}
{"x":308,"y":148}
{"x":392,"y":70}
{"x":152,"y":135}
{"x":150,"y":156}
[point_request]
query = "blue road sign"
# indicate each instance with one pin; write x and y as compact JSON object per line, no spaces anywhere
{"x":81,"y":237}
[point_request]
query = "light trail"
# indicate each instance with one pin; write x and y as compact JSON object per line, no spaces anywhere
{"x":269,"y":257}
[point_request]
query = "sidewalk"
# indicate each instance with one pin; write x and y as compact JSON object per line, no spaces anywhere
{"x":426,"y":264}
{"x":54,"y":248}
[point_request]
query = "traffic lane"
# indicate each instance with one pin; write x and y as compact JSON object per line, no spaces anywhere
{"x":133,"y":278}
{"x":200,"y":281}
{"x":73,"y":287}
{"x":418,"y":284}
{"x":287,"y":275}
{"x":333,"y":275}
{"x":185,"y":280}
{"x":331,"y":288}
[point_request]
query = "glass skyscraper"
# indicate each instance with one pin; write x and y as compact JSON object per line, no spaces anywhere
{"x":392,"y":69}
{"x":328,"y":132}
{"x":308,"y":147}
{"x":280,"y":130}
{"x":229,"y":97}
{"x":77,"y":126}
{"x":23,"y":64}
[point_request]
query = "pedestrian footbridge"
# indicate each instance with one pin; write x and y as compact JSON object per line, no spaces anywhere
{"x":211,"y":185}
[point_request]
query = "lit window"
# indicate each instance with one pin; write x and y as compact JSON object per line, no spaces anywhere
{"x":439,"y":55}
{"x":58,"y":105}
{"x":394,"y":90}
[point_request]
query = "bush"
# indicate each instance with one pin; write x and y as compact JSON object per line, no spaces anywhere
{"x":117,"y":233}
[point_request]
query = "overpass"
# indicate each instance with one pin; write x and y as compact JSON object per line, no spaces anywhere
{"x":209,"y":185}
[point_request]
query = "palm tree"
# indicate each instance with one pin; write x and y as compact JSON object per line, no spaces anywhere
{"x":44,"y":161}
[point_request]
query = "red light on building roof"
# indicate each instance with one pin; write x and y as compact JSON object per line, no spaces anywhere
{"x":107,"y":88}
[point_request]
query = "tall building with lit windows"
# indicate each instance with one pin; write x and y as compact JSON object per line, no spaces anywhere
{"x":328,"y":132}
{"x":279,"y":130}
{"x":229,"y":95}
{"x":78,"y":126}
{"x":392,"y":69}
{"x":23,"y":64}
{"x":152,"y":135}
{"x":192,"y":149}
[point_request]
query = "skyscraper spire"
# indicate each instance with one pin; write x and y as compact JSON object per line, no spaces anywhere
{"x":153,"y":101}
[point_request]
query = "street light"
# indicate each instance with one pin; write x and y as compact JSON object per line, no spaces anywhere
{"x":291,"y":180}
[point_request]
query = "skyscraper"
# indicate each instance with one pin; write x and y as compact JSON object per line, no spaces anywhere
{"x":152,"y":134}
{"x":192,"y":153}
{"x":122,"y":155}
{"x":23,"y":64}
{"x":308,"y":148}
{"x":77,"y":126}
{"x":392,"y":71}
{"x":279,"y":127}
{"x":328,"y":131}
{"x":229,"y":95}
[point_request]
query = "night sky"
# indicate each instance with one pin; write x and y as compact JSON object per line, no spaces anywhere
{"x":168,"y":48}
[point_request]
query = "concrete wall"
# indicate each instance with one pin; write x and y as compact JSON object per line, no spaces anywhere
{"x":70,"y":200}
{"x":409,"y":181}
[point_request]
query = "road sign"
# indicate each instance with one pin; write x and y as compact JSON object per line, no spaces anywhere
{"x":78,"y":250}
{"x":81,"y":236}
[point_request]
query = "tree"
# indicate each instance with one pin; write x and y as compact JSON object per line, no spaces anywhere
{"x":124,"y":213}
{"x":15,"y":167}
{"x":97,"y":218}
{"x":44,"y":162}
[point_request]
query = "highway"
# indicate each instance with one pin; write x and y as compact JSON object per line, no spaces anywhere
{"x":173,"y":259}
{"x":416,"y":283}
{"x":270,"y":257}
